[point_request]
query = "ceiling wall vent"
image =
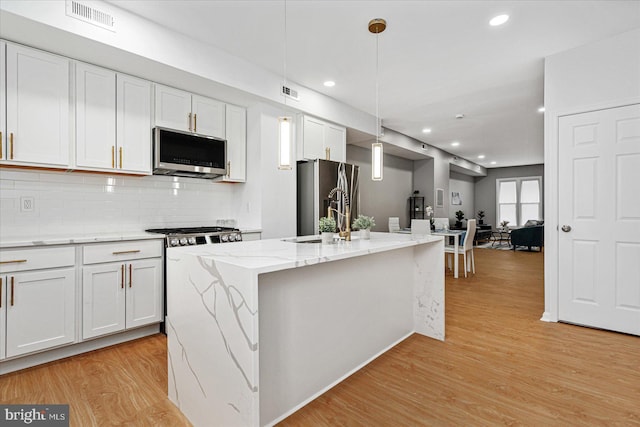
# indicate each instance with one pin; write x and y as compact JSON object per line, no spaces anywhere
{"x":89,"y":14}
{"x":290,"y":93}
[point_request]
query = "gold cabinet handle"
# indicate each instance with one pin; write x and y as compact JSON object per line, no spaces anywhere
{"x":229,"y":168}
{"x":327,"y":153}
{"x":120,"y":157}
{"x":13,"y":261}
{"x":12,"y":291}
{"x":11,"y":146}
{"x":135,"y":251}
{"x":189,"y":122}
{"x":1,"y":154}
{"x":0,"y":292}
{"x":130,"y":280}
{"x":113,"y":156}
{"x":195,"y":123}
{"x":122,"y":276}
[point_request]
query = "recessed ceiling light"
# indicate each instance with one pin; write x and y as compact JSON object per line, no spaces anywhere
{"x":426,"y":130}
{"x":541,"y":110}
{"x":498,"y":20}
{"x":329,"y":83}
{"x":494,"y":162}
{"x":455,"y":143}
{"x":481,"y":156}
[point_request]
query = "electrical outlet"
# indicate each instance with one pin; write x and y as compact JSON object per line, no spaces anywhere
{"x":27,"y":204}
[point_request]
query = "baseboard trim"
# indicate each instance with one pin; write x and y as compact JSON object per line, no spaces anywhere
{"x":547,"y":317}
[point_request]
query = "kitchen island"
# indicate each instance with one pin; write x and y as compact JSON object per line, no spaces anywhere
{"x":258,"y":329}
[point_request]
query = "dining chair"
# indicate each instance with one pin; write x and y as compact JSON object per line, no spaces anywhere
{"x":394,"y":224}
{"x":420,"y":226}
{"x":441,"y":223}
{"x":466,"y":247}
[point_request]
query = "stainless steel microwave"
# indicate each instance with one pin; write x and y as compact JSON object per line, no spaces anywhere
{"x":188,"y":154}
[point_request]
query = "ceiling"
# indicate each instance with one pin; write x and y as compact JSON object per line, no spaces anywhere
{"x":436,"y":59}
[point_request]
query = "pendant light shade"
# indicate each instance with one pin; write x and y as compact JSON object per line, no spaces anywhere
{"x":284,"y":152}
{"x":376,"y":26}
{"x":376,"y":161}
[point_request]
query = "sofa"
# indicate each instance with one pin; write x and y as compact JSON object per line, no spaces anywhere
{"x":531,"y":235}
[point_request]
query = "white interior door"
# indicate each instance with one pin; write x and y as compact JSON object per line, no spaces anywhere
{"x":599,"y":216}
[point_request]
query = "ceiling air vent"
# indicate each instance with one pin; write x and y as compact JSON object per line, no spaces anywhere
{"x":290,"y":93}
{"x":90,"y":14}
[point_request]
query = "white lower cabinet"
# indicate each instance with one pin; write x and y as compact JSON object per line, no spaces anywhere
{"x":124,"y":294}
{"x":37,"y":306}
{"x":41,"y":310}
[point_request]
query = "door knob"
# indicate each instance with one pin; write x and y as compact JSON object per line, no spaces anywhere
{"x":566,"y":228}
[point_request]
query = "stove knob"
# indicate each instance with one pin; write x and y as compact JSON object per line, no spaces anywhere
{"x":224,"y":238}
{"x":183,"y":241}
{"x":238,"y":237}
{"x":232,"y":237}
{"x":192,"y":240}
{"x":174,"y":242}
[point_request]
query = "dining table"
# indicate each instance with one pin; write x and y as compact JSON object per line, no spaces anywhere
{"x":456,"y":245}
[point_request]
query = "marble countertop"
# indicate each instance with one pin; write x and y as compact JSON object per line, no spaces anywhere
{"x":263,"y":256}
{"x":75,"y":239}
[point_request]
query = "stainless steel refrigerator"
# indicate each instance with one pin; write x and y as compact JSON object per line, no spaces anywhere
{"x":316,"y":179}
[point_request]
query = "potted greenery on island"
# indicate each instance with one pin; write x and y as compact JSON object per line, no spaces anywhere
{"x":459,"y":218}
{"x":327,"y":228}
{"x":364,"y":224}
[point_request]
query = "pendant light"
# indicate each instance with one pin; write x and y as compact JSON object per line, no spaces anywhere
{"x":376,"y":26}
{"x":284,"y":122}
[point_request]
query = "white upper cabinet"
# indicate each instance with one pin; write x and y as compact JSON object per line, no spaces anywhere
{"x":173,"y":108}
{"x":318,"y":139}
{"x":37,"y":108}
{"x":180,"y":110}
{"x":133,"y":120}
{"x":113,"y":121}
{"x":95,"y":117}
{"x":335,"y":139}
{"x":236,"y":126}
{"x":208,"y":116}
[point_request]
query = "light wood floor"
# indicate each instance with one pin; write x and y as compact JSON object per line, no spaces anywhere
{"x":499,"y":365}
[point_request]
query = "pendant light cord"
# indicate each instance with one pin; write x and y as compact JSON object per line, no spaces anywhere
{"x":284,"y":60}
{"x":377,"y":91}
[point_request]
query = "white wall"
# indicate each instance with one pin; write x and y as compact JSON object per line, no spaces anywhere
{"x":599,"y":75}
{"x":277,"y":187}
{"x":486,"y":188}
{"x":465,"y":185}
{"x":590,"y":75}
{"x":79,"y":203}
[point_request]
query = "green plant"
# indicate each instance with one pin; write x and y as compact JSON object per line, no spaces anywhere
{"x":363,"y":222}
{"x":327,"y":224}
{"x":480,"y":215}
{"x":459,"y":215}
{"x":504,"y":223}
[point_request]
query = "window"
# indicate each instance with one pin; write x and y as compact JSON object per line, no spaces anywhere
{"x":518,"y":200}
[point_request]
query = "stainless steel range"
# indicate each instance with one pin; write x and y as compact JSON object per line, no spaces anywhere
{"x":187,"y":236}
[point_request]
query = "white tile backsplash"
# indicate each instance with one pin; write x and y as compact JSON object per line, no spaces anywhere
{"x":83,"y":203}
